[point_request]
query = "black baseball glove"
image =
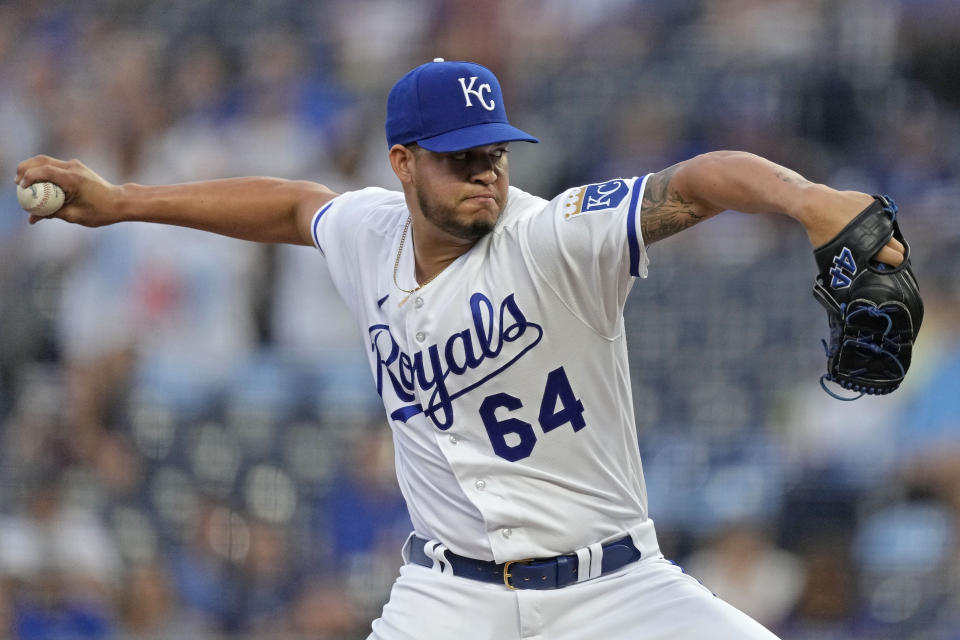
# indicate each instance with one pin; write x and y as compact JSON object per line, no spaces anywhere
{"x":874,"y":309}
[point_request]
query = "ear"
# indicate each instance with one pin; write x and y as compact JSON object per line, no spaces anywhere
{"x":402,"y":160}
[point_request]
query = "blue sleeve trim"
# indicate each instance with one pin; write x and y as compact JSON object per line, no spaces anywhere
{"x":316,"y":219}
{"x":633,"y":242}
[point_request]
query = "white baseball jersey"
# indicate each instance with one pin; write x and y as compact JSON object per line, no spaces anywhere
{"x":505,"y":379}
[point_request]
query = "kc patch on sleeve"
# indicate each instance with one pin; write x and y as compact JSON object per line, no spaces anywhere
{"x":595,"y":198}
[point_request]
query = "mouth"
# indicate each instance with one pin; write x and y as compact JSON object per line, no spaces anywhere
{"x":482,"y":197}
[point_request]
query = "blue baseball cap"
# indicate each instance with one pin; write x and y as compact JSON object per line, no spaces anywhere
{"x":449,"y":106}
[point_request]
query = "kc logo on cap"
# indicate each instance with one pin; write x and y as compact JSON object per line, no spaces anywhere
{"x":478,"y":92}
{"x":449,"y":106}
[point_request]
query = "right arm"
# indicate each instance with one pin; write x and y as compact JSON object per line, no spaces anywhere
{"x":257,"y":209}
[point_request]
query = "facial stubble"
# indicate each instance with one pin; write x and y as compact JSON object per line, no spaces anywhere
{"x":445,"y":218}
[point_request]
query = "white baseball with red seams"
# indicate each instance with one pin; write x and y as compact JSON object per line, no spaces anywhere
{"x":40,"y":198}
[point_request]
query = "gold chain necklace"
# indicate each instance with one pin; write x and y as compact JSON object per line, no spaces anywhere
{"x":396,"y":263}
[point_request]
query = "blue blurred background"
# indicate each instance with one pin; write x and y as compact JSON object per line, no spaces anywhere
{"x":190,"y":446}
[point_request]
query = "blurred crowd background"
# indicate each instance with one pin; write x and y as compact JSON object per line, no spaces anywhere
{"x":190,"y":445}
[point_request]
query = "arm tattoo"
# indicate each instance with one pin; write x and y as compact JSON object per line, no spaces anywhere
{"x":664,"y":211}
{"x":790,"y":177}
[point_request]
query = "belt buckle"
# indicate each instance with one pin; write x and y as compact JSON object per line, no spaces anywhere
{"x":507,"y":574}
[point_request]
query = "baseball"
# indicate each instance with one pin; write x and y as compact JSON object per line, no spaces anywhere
{"x":40,"y":198}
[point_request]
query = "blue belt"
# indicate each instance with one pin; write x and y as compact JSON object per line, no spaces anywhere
{"x":538,"y":573}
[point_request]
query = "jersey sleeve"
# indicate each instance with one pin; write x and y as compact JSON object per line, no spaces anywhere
{"x":332,"y":234}
{"x":337,"y":231}
{"x":587,"y":246}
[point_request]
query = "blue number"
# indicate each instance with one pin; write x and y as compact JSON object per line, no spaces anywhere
{"x":840,"y":280}
{"x":558,"y":407}
{"x":497,"y":430}
{"x":559,"y":392}
{"x":843,"y":262}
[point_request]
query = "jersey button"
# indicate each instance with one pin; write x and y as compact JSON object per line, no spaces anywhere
{"x":454,"y":440}
{"x":421,"y":336}
{"x":418,"y":303}
{"x":506,"y":533}
{"x":480,"y":485}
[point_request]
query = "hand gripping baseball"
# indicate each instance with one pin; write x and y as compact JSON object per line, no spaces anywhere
{"x":89,"y":200}
{"x":874,"y":310}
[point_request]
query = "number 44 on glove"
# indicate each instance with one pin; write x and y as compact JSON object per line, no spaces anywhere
{"x":874,"y":310}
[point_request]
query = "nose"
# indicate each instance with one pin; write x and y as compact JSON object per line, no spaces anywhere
{"x":484,"y":171}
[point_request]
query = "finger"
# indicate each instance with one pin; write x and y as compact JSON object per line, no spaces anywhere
{"x":48,"y":173}
{"x":890,"y":256}
{"x":29,"y":163}
{"x":35,"y":162}
{"x":897,"y":246}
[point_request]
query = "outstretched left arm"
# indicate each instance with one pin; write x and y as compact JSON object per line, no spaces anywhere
{"x":686,"y":193}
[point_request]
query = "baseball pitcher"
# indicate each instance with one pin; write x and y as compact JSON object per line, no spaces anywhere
{"x":493,"y":322}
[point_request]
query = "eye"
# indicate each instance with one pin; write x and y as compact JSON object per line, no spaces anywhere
{"x":498,"y":153}
{"x":459,"y":157}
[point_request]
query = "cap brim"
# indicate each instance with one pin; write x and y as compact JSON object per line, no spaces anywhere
{"x":477,"y":135}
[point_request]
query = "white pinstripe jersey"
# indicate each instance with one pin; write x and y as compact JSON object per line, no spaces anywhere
{"x":505,"y":379}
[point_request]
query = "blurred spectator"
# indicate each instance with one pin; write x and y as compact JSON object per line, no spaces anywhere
{"x":270,"y":577}
{"x":62,"y":564}
{"x":743,"y":566}
{"x":854,"y":443}
{"x":928,"y":426}
{"x":316,"y":336}
{"x":206,"y":568}
{"x":150,"y":609}
{"x":906,"y":555}
{"x":324,"y":611}
{"x":828,"y":605}
{"x":362,"y":521}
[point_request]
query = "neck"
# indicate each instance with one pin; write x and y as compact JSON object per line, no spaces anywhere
{"x":433,"y":248}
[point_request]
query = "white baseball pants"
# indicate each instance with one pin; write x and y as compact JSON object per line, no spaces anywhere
{"x":649,"y":600}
